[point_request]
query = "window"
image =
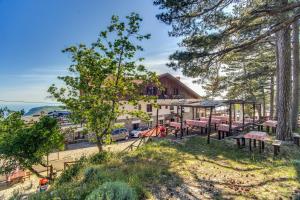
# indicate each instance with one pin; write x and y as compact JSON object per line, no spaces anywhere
{"x":140,"y":107}
{"x":149,"y":107}
{"x":135,"y":126}
{"x":171,"y":107}
{"x":161,"y":122}
{"x":150,"y":124}
{"x":166,"y":107}
{"x":151,"y":90}
{"x":175,"y":91}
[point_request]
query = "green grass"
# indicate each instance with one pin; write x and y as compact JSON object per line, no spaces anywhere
{"x":194,"y":169}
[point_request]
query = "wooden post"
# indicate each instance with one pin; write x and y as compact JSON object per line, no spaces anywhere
{"x":209,"y":125}
{"x":193,"y":112}
{"x":51,"y":172}
{"x":181,"y":121}
{"x":47,"y":164}
{"x":260,"y":112}
{"x":156,"y":130}
{"x":230,"y":120}
{"x":234,"y":117}
{"x":253,"y":113}
{"x":243,"y":110}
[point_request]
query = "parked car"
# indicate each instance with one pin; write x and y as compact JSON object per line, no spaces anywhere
{"x":119,"y":134}
{"x":135,"y":133}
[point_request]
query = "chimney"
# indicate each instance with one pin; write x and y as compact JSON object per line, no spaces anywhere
{"x":178,"y":78}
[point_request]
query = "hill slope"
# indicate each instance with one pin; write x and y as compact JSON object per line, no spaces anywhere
{"x":46,"y":109}
{"x":190,"y":170}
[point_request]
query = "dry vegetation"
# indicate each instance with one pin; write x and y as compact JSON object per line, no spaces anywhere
{"x":191,"y":170}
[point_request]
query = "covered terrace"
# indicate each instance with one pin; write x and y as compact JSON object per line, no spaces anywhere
{"x":223,"y":123}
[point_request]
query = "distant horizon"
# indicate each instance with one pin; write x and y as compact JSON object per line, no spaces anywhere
{"x":25,"y":106}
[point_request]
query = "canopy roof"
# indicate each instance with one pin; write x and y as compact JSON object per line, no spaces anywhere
{"x":208,"y":103}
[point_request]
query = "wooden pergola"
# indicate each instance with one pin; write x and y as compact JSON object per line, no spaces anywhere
{"x":211,"y":105}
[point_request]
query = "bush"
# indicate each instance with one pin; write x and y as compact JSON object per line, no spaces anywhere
{"x":91,"y":174}
{"x":113,"y":191}
{"x":70,"y":173}
{"x":100,"y":158}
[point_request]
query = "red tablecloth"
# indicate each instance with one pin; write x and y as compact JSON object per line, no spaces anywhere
{"x":256,"y":135}
{"x":238,"y":123}
{"x":176,"y":125}
{"x":270,"y":123}
{"x":225,"y":127}
{"x":223,"y":119}
{"x":213,"y":120}
{"x":196,"y":123}
{"x":250,"y":120}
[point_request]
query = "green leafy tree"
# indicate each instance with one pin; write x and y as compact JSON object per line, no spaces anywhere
{"x":106,"y":76}
{"x":24,"y":146}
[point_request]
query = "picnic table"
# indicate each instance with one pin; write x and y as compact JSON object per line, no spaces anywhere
{"x":270,"y":123}
{"x":257,"y":136}
{"x":197,"y":123}
{"x":223,"y":119}
{"x":213,"y":120}
{"x":177,"y":125}
{"x":224,"y":129}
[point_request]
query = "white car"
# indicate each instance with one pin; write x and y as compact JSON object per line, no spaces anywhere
{"x":135,"y":133}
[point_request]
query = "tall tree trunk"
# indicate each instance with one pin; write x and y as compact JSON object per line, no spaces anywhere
{"x":295,"y":74}
{"x":272,"y":97}
{"x":283,"y":131}
{"x":277,"y":76}
{"x":264,"y":102}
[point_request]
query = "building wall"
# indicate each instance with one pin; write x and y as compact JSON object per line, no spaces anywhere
{"x":165,"y":113}
{"x":170,"y":85}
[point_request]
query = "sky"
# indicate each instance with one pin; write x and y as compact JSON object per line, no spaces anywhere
{"x":33,"y":33}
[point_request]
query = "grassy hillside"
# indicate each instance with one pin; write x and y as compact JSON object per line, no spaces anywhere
{"x":46,"y":109}
{"x":191,"y":170}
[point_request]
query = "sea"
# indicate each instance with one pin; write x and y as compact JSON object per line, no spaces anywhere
{"x":24,"y":106}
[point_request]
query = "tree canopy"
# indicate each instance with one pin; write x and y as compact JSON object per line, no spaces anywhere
{"x":106,"y":76}
{"x":22,"y":146}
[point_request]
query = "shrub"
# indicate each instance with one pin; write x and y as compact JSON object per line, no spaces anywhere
{"x":92,"y":173}
{"x":70,"y":173}
{"x":100,"y":158}
{"x":113,"y":191}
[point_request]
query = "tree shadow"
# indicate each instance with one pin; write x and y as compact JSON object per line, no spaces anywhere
{"x":226,"y":156}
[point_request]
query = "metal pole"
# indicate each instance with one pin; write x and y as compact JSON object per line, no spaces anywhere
{"x":209,"y":125}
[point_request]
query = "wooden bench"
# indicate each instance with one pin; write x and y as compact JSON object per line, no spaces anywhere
{"x":238,"y":139}
{"x":276,"y":144}
{"x":296,"y":138}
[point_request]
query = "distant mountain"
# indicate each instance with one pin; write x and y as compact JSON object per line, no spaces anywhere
{"x":45,"y":109}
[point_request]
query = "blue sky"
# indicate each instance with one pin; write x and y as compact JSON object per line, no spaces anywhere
{"x":33,"y":33}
